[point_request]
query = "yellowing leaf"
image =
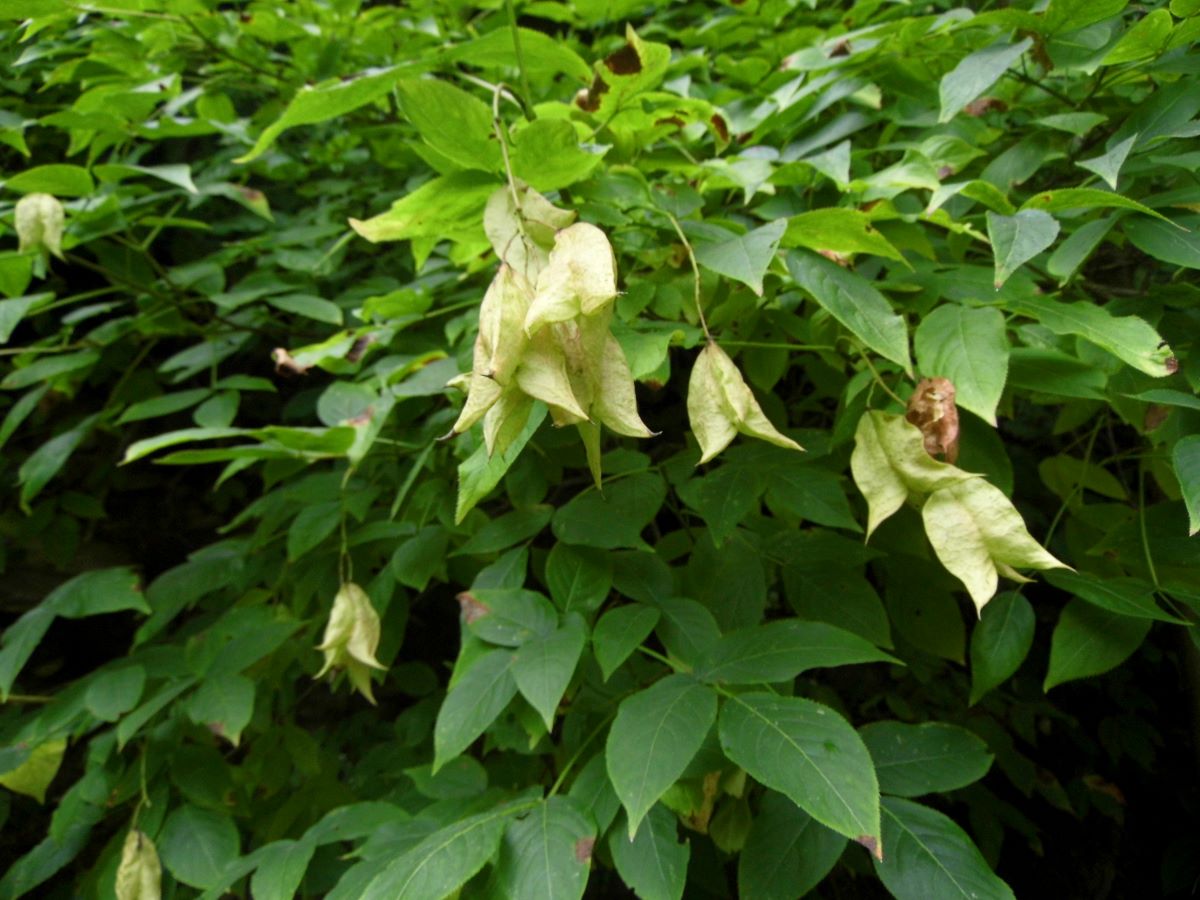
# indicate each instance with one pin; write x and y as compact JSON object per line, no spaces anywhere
{"x":890,"y":463}
{"x":615,"y":404}
{"x":522,"y":235}
{"x":721,"y":404}
{"x":33,"y":776}
{"x":543,"y":375}
{"x":977,"y":534}
{"x":39,"y":222}
{"x":139,"y":876}
{"x":501,"y":320}
{"x":579,"y":279}
{"x":351,"y":638}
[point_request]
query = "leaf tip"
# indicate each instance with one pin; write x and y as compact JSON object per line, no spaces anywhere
{"x":873,"y":845}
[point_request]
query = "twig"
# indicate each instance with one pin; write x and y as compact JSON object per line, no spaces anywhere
{"x":695,"y":273}
{"x":502,"y":136}
{"x":516,"y":39}
{"x":878,"y":378}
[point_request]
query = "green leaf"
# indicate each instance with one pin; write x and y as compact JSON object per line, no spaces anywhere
{"x":1085,"y":198}
{"x":47,"y":368}
{"x":1164,"y":242}
{"x":810,"y":753}
{"x":612,"y":518}
{"x":311,"y":526}
{"x":419,"y":558}
{"x":546,"y":154}
{"x":281,"y":871}
{"x":309,"y":307}
{"x":929,"y":856}
{"x":546,"y":663}
{"x":324,"y":101}
{"x":725,"y":497}
{"x":1000,"y":642}
{"x":656,"y":733}
{"x":976,"y":532}
{"x":652,"y":862}
{"x":1129,"y":338}
{"x":449,"y":207}
{"x":1089,"y":641}
{"x":1072,"y":15}
{"x":224,"y":705}
{"x":97,"y":592}
{"x":508,"y":616}
{"x":1108,"y":164}
{"x":514,"y":527}
{"x":854,"y":302}
{"x":779,"y":651}
{"x":911,"y":760}
{"x":631,"y":70}
{"x":13,"y":310}
{"x":1069,"y":255}
{"x":480,"y":472}
{"x":579,"y":578}
{"x":196,"y":845}
{"x":543,"y":55}
{"x":59,"y":180}
{"x":113,"y":693}
{"x":975,"y":74}
{"x":787,"y":852}
{"x":1018,"y":239}
{"x":548,"y":853}
{"x":811,"y":493}
{"x":440,"y":864}
{"x":840,"y":230}
{"x":1146,"y":38}
{"x":34,"y":775}
{"x":472,"y":704}
{"x":1124,"y":596}
{"x":969,"y":346}
{"x":452,"y":122}
{"x":1186,"y":460}
{"x":745,"y":257}
{"x":163,"y":405}
{"x":619,"y":632}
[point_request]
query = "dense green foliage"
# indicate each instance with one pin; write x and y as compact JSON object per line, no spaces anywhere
{"x":282,"y":620}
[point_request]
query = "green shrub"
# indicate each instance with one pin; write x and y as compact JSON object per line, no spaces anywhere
{"x":779,"y":334}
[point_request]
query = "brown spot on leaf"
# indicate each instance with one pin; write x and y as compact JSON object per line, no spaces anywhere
{"x":286,"y":364}
{"x":1101,"y":786}
{"x":945,"y":172}
{"x":873,"y":846}
{"x":841,"y":48}
{"x":671,"y":120}
{"x":1156,"y":414}
{"x":624,"y":61}
{"x":356,"y":351}
{"x":931,"y":408}
{"x":250,"y":194}
{"x":719,"y":125}
{"x":833,"y":256}
{"x":363,"y":418}
{"x":1172,"y":365}
{"x":583,"y":850}
{"x":589,"y":99}
{"x":984,"y":104}
{"x":471,"y":609}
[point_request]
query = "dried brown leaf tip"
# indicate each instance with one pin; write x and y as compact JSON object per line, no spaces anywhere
{"x":931,"y":408}
{"x":286,"y":364}
{"x":872,"y":844}
{"x":472,"y":610}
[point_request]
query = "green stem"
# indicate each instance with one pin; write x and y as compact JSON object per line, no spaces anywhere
{"x":695,"y":273}
{"x":1142,"y":523}
{"x":570,"y":763}
{"x":516,"y":39}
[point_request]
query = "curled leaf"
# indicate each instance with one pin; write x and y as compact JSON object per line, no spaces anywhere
{"x":139,"y":875}
{"x":39,"y":220}
{"x":890,"y":464}
{"x":580,"y":278}
{"x":352,"y":637}
{"x":721,"y":404}
{"x":931,"y":408}
{"x":978,"y":534}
